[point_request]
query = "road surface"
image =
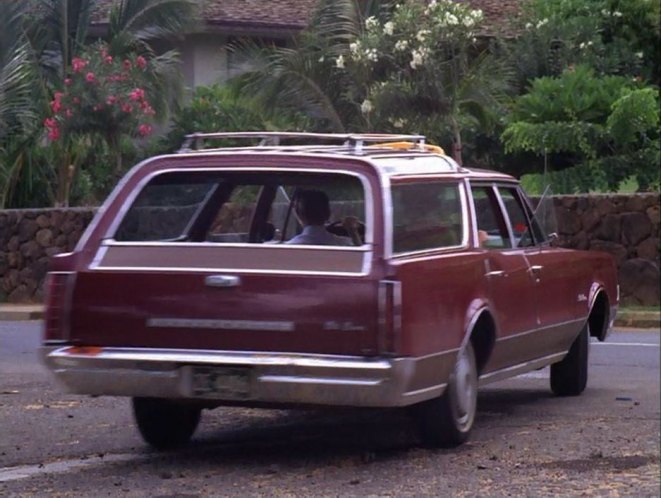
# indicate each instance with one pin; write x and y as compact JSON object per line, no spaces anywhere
{"x":525,"y":442}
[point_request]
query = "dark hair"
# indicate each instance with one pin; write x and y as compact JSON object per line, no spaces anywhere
{"x":313,"y":206}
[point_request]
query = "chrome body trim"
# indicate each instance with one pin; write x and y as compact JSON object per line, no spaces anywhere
{"x":521,"y":368}
{"x":279,"y":378}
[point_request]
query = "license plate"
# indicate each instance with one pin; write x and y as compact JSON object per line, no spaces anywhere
{"x":221,"y":382}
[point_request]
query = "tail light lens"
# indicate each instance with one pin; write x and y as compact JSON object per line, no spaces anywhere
{"x":390,"y":316}
{"x":56,"y":327}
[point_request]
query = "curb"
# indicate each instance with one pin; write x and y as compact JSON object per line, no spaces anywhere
{"x":21,"y":312}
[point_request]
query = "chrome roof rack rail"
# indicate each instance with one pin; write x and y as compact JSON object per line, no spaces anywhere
{"x":355,"y":142}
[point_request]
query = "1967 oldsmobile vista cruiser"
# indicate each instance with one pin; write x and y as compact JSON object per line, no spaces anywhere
{"x":352,"y":270}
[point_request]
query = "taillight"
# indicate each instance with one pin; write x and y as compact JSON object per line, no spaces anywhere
{"x":390,"y":316}
{"x":56,"y":326}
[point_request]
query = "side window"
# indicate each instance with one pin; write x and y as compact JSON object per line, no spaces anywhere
{"x":426,"y":216}
{"x":491,"y":226}
{"x":516,"y":212}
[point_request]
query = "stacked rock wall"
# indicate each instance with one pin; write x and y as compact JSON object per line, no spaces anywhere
{"x":28,"y":238}
{"x":627,"y":226}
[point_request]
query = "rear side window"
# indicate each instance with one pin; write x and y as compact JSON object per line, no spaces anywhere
{"x":163,"y":211}
{"x":426,"y":215}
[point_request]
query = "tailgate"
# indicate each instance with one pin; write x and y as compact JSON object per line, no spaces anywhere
{"x":323,"y":314}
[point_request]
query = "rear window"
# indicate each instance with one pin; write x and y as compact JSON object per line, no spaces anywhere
{"x":426,"y":215}
{"x":239,"y":207}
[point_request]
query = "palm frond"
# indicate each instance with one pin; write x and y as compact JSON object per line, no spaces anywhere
{"x":141,"y":20}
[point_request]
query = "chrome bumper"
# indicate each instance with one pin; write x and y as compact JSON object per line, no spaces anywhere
{"x":271,"y":377}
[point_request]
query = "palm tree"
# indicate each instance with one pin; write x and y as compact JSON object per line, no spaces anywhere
{"x":18,"y":112}
{"x":302,"y":78}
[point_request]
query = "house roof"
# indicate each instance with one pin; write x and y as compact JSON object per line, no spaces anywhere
{"x":293,"y":15}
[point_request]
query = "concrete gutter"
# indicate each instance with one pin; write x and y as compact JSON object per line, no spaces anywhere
{"x":625,"y":317}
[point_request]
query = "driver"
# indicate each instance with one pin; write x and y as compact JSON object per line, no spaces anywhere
{"x":313,"y":209}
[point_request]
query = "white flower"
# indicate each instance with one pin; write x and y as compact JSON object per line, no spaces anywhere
{"x":354,"y":47}
{"x":339,"y":62}
{"x":477,"y":14}
{"x":468,"y":22}
{"x":321,"y":59}
{"x":401,"y":45}
{"x":371,"y":54}
{"x":542,"y":23}
{"x":617,"y":13}
{"x":639,"y":55}
{"x":422,"y":34}
{"x":418,"y":58}
{"x":366,"y":107}
{"x":371,"y":23}
{"x":389,"y":28}
{"x":398,"y":123}
{"x":528,"y":25}
{"x":452,"y":19}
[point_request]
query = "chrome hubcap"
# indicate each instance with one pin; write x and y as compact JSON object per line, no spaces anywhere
{"x":465,"y":383}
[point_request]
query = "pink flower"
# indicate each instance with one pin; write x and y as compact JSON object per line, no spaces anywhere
{"x":90,"y":78}
{"x":55,"y":106}
{"x":54,"y":133}
{"x":144,"y":130}
{"x":67,"y":81}
{"x":50,"y":123}
{"x":127,"y":108}
{"x":111,"y":100}
{"x":78,"y":64}
{"x":107,"y":59}
{"x":76,"y":100}
{"x":141,"y":62}
{"x":137,"y":94}
{"x":68,"y":113}
{"x":147,"y":109}
{"x":127,"y":64}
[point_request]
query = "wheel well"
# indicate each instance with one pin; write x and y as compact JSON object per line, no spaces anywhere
{"x":599,"y":316}
{"x":483,"y":337}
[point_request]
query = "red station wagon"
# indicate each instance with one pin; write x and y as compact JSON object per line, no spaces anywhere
{"x":353,"y":270}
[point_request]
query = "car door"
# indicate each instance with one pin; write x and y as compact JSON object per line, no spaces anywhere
{"x":555,"y":281}
{"x":509,"y":285}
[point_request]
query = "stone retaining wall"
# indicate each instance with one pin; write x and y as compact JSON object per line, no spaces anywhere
{"x":627,"y":226}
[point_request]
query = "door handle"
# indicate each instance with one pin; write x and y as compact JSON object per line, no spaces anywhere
{"x":495,"y":273}
{"x":222,"y":281}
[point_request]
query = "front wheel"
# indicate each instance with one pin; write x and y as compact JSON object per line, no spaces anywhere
{"x":163,"y":423}
{"x":570,"y":376}
{"x":446,"y":421}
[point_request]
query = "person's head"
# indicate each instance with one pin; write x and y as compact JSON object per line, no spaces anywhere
{"x":313,"y":207}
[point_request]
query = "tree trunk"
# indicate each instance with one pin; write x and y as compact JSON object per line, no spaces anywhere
{"x":456,"y":144}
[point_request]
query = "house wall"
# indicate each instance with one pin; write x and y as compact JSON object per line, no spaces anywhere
{"x":626,"y":226}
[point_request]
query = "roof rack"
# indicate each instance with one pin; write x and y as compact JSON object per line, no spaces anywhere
{"x":354,"y":141}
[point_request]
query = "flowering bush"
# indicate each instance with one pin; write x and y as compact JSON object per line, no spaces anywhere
{"x":102,"y":94}
{"x":414,"y":64}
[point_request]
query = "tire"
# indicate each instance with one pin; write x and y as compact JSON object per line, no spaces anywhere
{"x":165,"y":424}
{"x":446,"y":421}
{"x":570,"y":376}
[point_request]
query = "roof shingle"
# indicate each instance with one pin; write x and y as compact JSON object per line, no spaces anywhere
{"x":295,"y":14}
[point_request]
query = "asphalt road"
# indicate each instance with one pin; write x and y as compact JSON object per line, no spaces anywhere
{"x":525,"y":441}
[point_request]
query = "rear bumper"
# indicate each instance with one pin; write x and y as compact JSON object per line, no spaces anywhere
{"x":269,"y":377}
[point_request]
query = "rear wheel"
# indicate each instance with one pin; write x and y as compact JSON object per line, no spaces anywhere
{"x":446,"y":421}
{"x":570,"y":376}
{"x":164,"y":423}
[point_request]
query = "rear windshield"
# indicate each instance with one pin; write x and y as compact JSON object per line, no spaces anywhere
{"x":298,"y":208}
